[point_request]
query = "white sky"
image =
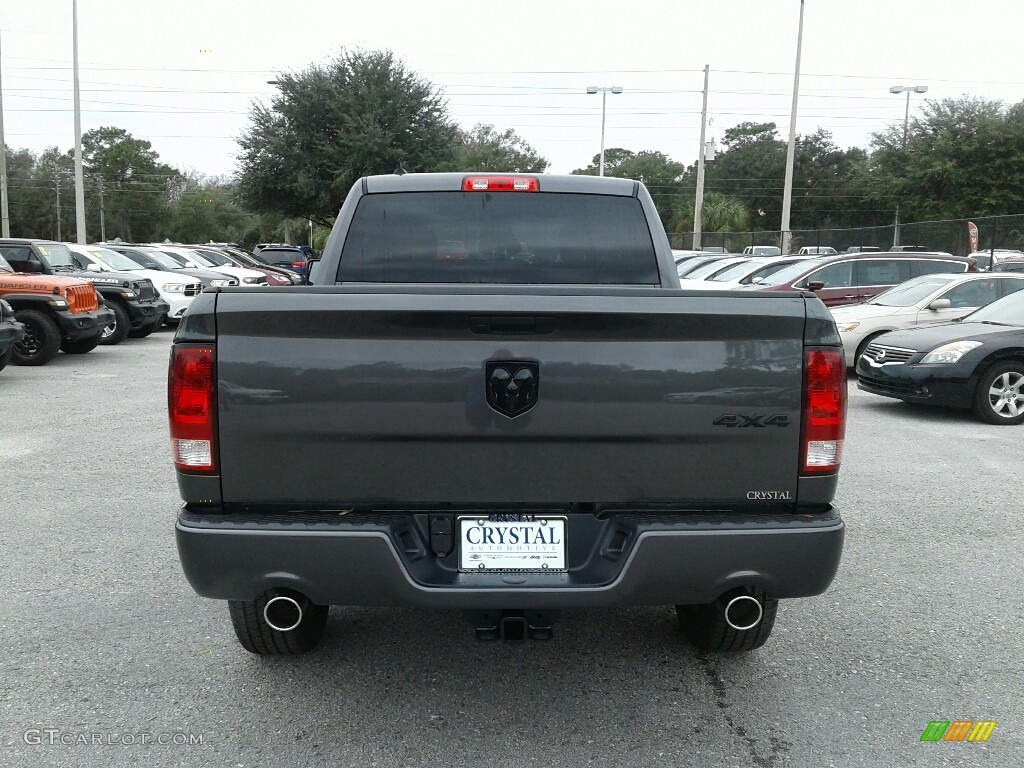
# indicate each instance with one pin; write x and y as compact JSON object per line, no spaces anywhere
{"x":182,"y":74}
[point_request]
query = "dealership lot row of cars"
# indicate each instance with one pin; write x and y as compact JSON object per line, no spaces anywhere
{"x":922,"y":327}
{"x":63,"y":297}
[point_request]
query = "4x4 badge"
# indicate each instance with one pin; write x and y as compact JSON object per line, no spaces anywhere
{"x":512,"y":386}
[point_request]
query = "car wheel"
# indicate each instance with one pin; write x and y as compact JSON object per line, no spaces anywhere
{"x":254,"y":633}
{"x":999,"y":397}
{"x":41,"y":342}
{"x":5,"y":357}
{"x":116,"y":331}
{"x":80,"y":347}
{"x":706,"y":627}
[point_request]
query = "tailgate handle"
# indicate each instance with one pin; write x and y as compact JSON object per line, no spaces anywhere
{"x":512,"y":324}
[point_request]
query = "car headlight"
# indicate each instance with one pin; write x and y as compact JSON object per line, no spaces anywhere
{"x":173,"y":287}
{"x":950,"y":353}
{"x":221,"y":283}
{"x":128,"y":294}
{"x":250,"y":280}
{"x":58,"y":303}
{"x":847,"y":327}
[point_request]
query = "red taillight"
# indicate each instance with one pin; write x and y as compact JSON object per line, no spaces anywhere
{"x":499,"y":184}
{"x":298,"y":264}
{"x":192,"y":405}
{"x":824,"y":409}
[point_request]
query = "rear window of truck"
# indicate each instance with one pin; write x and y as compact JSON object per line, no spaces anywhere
{"x":499,"y":237}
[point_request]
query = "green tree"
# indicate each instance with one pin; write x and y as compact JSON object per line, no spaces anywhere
{"x":485,"y":148}
{"x":664,"y":177}
{"x":962,"y":158}
{"x":719,"y":213}
{"x":361,"y":113}
{"x":205,"y":209}
{"x":136,"y":186}
{"x":752,"y":168}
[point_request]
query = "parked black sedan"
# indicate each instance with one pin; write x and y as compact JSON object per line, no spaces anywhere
{"x":976,"y":362}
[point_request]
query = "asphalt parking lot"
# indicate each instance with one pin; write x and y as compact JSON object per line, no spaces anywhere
{"x":111,"y":660}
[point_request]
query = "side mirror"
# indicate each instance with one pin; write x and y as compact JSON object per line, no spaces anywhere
{"x":311,"y":270}
{"x":815,"y":285}
{"x":940,"y":304}
{"x":93,"y":268}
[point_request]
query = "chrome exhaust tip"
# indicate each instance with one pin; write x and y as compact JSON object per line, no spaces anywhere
{"x":743,"y":612}
{"x":282,"y":613}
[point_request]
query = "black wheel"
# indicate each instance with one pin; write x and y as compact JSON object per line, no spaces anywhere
{"x":999,"y":397}
{"x":5,"y":357}
{"x":81,"y":346}
{"x":256,"y":635}
{"x":117,"y":331}
{"x":41,"y":342}
{"x":705,"y":625}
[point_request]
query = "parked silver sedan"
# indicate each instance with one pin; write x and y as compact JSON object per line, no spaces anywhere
{"x":924,"y":300}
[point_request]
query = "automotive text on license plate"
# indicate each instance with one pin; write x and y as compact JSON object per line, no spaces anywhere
{"x":531,"y":544}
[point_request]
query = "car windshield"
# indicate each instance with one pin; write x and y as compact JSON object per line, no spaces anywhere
{"x":1008,"y":310}
{"x":57,"y":254}
{"x":708,"y":269}
{"x":4,"y":266}
{"x":112,"y":259}
{"x":909,"y":293}
{"x":791,"y":273}
{"x":164,"y":260}
{"x":735,"y":272}
{"x":213,"y":257}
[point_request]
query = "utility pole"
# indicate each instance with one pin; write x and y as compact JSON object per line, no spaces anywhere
{"x":58,"y":206}
{"x":698,"y":208}
{"x":103,"y":226}
{"x":5,"y":227}
{"x":79,"y":175}
{"x":787,"y":198}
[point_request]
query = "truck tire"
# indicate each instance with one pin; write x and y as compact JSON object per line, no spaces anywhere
{"x":117,"y":331}
{"x":705,"y":626}
{"x":257,"y":637}
{"x":81,"y":346}
{"x":999,"y":396}
{"x":42,"y":338}
{"x":5,"y":357}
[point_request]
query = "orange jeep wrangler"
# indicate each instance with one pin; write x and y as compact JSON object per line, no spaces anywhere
{"x":58,"y":313}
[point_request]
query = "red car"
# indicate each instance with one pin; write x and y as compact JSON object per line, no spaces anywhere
{"x":852,"y":278}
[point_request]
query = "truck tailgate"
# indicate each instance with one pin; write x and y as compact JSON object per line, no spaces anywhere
{"x":339,"y":396}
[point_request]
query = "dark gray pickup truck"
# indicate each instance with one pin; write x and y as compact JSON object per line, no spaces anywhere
{"x":495,"y":397}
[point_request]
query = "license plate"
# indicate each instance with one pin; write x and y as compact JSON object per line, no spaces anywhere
{"x":531,"y":544}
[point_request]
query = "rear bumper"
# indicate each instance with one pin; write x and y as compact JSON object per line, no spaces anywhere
{"x":633,"y":559}
{"x":83,"y":325}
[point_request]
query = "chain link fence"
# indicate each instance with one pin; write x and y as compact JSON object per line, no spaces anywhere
{"x":951,"y":236}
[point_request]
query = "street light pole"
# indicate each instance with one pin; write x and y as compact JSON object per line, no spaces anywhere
{"x":787,"y":196}
{"x":907,"y":89}
{"x":79,"y":175}
{"x":604,"y":91}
